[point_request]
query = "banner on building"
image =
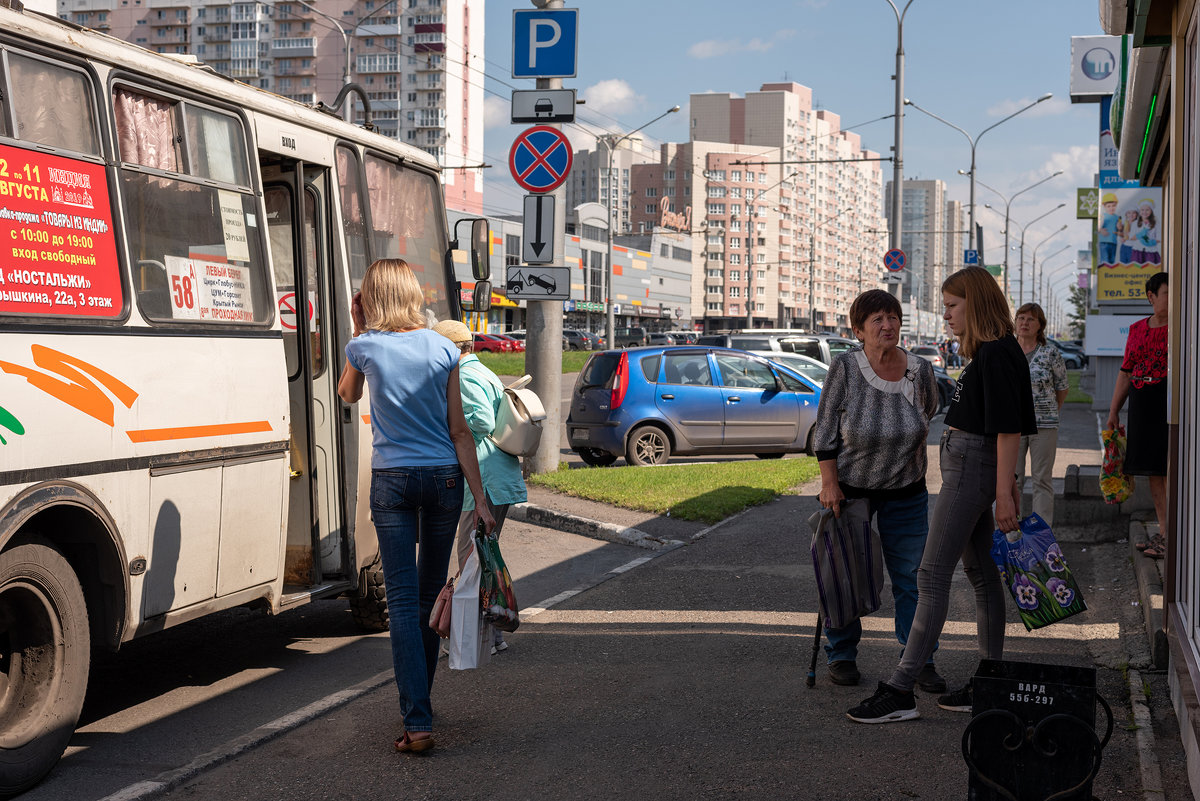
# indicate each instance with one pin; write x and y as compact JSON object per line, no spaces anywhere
{"x":1109,"y":156}
{"x":1129,"y":239}
{"x":1095,"y":67}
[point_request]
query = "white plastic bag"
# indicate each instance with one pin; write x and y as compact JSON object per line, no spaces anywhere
{"x":470,"y":635}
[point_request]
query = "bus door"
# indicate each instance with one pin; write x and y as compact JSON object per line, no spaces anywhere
{"x":297,"y":198}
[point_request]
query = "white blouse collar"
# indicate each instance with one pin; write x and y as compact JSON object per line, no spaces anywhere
{"x":906,"y":386}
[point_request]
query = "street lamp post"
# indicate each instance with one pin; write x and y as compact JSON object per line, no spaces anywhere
{"x":1007,"y":208}
{"x":752,"y":235}
{"x":1046,"y":279}
{"x":345,"y":38}
{"x":974,"y":141}
{"x":1033,"y":273}
{"x":612,"y":141}
{"x":1021,"y":271}
{"x":898,"y":147}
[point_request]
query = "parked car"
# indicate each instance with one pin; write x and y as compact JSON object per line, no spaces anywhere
{"x":630,"y":337}
{"x":811,"y":369}
{"x":518,"y":345}
{"x":667,"y":338}
{"x":946,"y":385}
{"x":930,"y":353}
{"x":650,"y":403}
{"x":1073,"y":355}
{"x":491,"y":344}
{"x":596,"y":339}
{"x":822,"y":347}
{"x":576,"y":339}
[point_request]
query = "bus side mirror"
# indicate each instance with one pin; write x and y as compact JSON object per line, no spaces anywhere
{"x":479,"y":248}
{"x":481,"y":298}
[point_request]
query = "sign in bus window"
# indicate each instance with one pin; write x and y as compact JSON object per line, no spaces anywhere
{"x":58,"y":253}
{"x":53,"y":105}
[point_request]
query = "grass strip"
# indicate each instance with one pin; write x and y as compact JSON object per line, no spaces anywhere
{"x":1074,"y":395}
{"x":514,"y":363}
{"x":705,"y":492}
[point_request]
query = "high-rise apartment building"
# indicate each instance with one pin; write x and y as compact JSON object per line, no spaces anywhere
{"x":409,"y":56}
{"x":588,"y":180}
{"x":933,"y":239}
{"x":783,"y":204}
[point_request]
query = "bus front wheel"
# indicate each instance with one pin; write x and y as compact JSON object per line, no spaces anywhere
{"x":44,"y":661}
{"x":369,"y":606}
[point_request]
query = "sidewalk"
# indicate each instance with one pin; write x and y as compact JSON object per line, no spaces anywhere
{"x":684,"y":678}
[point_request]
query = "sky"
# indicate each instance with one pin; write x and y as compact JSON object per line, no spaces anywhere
{"x":969,"y":61}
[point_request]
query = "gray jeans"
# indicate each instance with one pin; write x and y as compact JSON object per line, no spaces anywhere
{"x":960,"y":528}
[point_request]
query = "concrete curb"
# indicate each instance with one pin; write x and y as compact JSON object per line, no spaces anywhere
{"x":574,"y":524}
{"x":1152,"y":786}
{"x":1150,"y":595}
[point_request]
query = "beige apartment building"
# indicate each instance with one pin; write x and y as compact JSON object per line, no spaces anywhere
{"x":778,"y":240}
{"x":409,"y":56}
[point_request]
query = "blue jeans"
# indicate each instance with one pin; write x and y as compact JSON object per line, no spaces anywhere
{"x":902,"y":525}
{"x":410,"y":504}
{"x":1108,"y":252}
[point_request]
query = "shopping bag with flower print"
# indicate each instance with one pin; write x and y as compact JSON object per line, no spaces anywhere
{"x":1115,"y":486}
{"x":1033,"y":568}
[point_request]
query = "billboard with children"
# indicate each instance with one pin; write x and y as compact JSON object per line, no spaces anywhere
{"x":1129,"y":235}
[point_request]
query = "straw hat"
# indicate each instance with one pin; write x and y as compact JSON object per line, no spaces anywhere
{"x":454,"y":331}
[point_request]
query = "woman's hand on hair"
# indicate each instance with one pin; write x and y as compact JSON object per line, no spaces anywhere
{"x":357,"y":314}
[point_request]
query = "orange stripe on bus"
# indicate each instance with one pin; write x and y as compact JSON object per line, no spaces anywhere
{"x":189,"y":432}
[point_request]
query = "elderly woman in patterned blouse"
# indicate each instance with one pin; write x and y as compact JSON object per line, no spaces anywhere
{"x":872,"y":424}
{"x":1048,"y":374}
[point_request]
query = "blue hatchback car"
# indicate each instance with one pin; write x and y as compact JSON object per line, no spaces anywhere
{"x":648,"y":403}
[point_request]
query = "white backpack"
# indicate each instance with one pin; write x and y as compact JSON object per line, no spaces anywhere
{"x":519,"y":419}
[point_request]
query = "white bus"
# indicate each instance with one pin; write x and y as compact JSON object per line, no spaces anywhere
{"x":177,"y":256}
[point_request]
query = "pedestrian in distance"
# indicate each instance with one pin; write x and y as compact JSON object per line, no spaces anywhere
{"x":1143,"y":380}
{"x":991,"y":409}
{"x":482,"y":394}
{"x":872,"y":423}
{"x":1048,"y":374}
{"x":422,"y":452}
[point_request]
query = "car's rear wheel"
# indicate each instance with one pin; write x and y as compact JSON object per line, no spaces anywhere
{"x":769,"y":455}
{"x":648,"y":445}
{"x":596,"y":457}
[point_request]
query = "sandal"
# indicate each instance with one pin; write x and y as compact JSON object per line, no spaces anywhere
{"x":1154,"y":548}
{"x":407,"y":744}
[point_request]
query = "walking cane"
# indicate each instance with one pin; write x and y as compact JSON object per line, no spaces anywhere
{"x":811,"y":681}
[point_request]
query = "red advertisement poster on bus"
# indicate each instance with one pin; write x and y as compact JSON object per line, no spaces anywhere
{"x":58,"y":252}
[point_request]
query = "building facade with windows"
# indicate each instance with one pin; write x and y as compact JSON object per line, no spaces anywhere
{"x":778,"y":240}
{"x":411,"y":57}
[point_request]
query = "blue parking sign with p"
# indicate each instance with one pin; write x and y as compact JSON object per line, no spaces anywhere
{"x":544,"y":42}
{"x":971,"y":258}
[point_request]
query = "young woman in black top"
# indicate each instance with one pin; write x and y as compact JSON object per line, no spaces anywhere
{"x":991,"y":409}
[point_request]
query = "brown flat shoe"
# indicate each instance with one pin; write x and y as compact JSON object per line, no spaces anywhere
{"x":407,"y":744}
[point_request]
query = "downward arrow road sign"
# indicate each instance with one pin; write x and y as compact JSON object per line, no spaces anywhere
{"x":538,"y":230}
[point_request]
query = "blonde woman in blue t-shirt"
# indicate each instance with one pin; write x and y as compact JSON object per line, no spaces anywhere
{"x":422,"y":452}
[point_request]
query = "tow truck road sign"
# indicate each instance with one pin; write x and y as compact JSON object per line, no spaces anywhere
{"x":538,"y":283}
{"x":543,"y":105}
{"x":540,"y":159}
{"x":538,"y":230}
{"x":545,"y":42}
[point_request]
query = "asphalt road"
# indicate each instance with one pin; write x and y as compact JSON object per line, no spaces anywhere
{"x":164,"y":700}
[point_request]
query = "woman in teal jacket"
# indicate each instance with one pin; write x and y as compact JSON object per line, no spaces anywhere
{"x":502,"y":480}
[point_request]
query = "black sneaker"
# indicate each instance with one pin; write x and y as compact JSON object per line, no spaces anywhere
{"x":844,"y":672}
{"x":887,"y":705}
{"x":957,"y":701}
{"x":930,"y":681}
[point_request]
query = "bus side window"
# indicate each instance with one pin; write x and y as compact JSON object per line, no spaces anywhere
{"x":207,"y":238}
{"x":52,"y":105}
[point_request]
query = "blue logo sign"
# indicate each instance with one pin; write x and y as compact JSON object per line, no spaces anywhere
{"x":1098,"y":63}
{"x":544,"y":42}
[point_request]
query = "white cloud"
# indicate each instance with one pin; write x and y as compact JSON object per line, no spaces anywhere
{"x":496,"y":112}
{"x":1047,"y":108}
{"x":714,"y":48}
{"x":612,"y":97}
{"x":1079,"y":165}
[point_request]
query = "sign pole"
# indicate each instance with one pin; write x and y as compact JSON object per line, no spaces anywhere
{"x":544,"y":323}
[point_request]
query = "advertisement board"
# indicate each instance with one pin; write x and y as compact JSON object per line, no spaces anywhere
{"x":1129,"y":237}
{"x":1095,"y":67}
{"x":56,"y":234}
